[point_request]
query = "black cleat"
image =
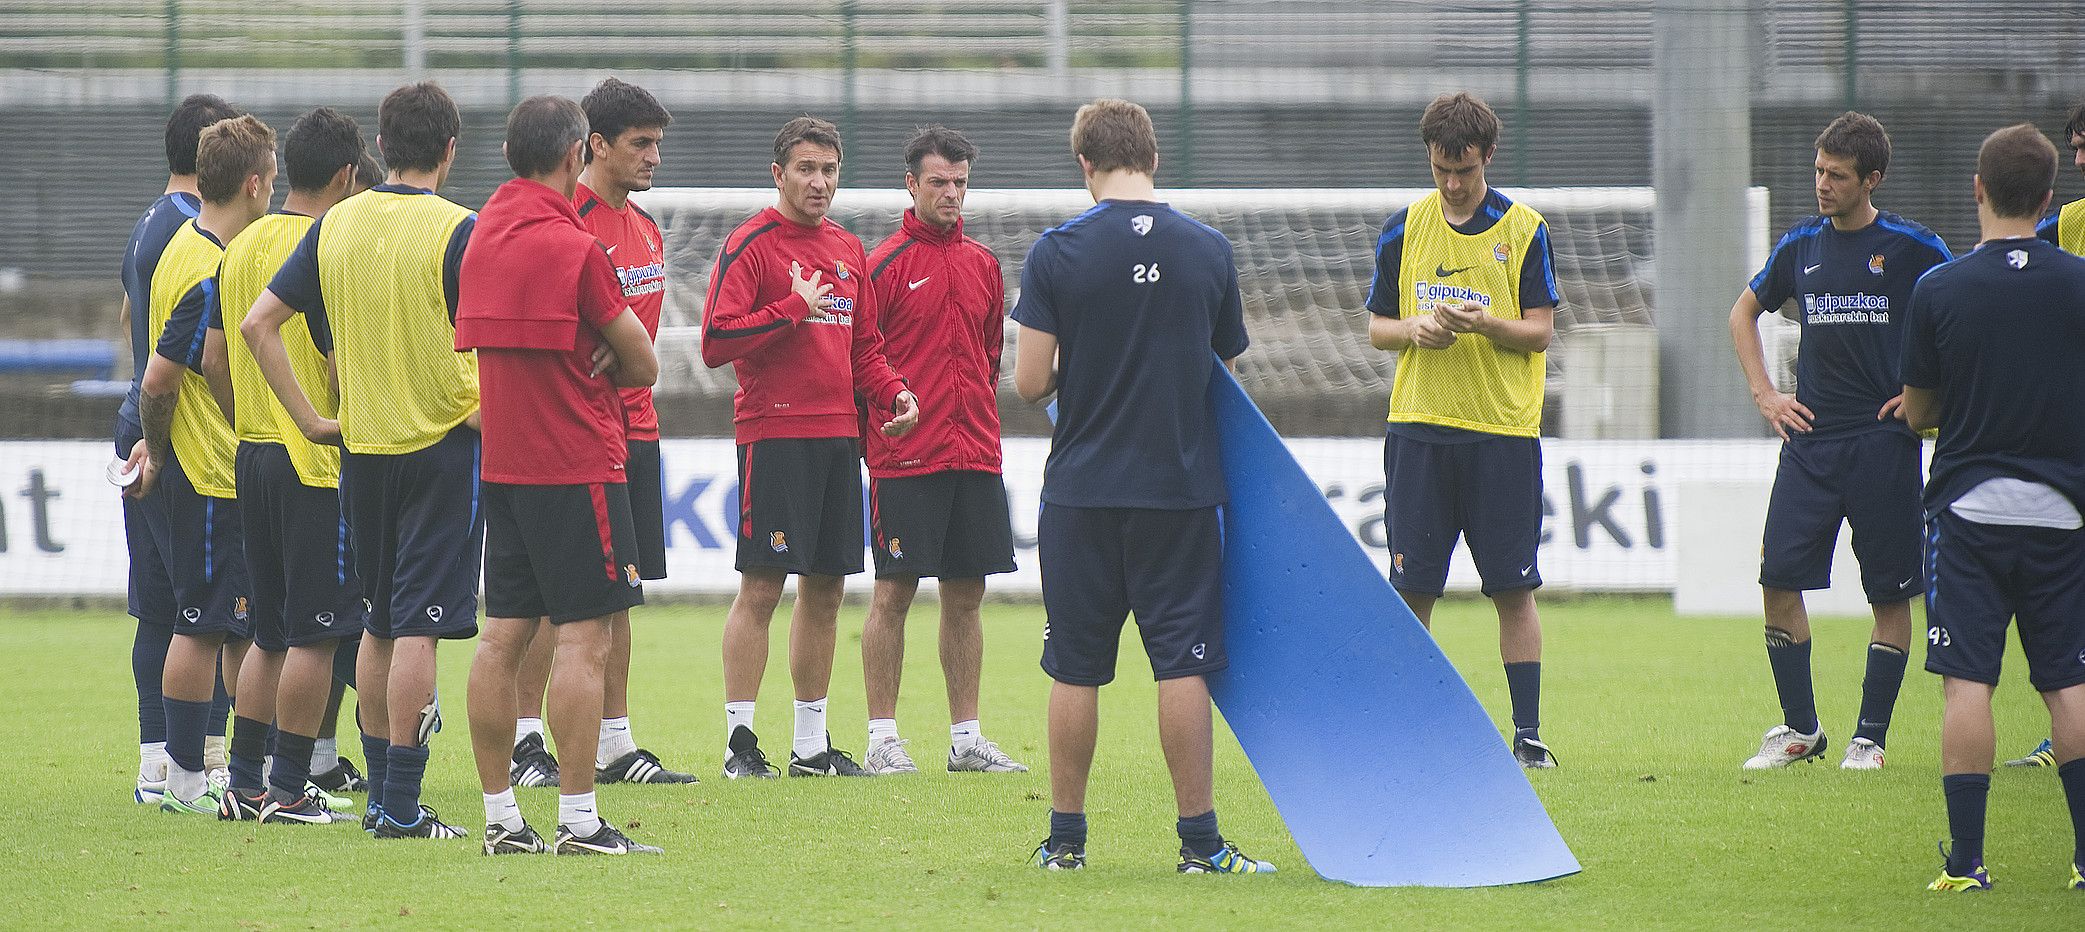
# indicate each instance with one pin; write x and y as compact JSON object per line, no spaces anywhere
{"x":342,"y":778}
{"x":746,"y":759}
{"x":299,"y":809}
{"x":428,"y":826}
{"x":831,"y":762}
{"x":498,"y":840}
{"x":533,"y":763}
{"x":640,"y":766}
{"x":604,"y":840}
{"x":238,"y":806}
{"x":1060,"y":857}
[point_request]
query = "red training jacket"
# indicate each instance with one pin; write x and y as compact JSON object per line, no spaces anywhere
{"x":941,"y":302}
{"x":633,"y":242}
{"x":797,"y":376}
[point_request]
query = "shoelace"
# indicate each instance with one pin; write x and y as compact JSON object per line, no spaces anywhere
{"x":991,"y":753}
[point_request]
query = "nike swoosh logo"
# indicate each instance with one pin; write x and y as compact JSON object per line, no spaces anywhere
{"x":1905,"y":583}
{"x":1527,"y":569}
{"x":1442,"y":271}
{"x":1813,"y":268}
{"x":914,"y":286}
{"x":611,"y":249}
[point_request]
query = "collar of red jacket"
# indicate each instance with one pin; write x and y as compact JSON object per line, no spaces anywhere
{"x":521,"y":203}
{"x":928,"y":233}
{"x":519,"y":282}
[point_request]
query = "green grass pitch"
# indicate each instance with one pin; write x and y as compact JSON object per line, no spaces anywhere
{"x":1649,"y":714}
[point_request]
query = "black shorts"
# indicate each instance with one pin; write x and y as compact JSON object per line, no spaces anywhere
{"x":647,"y":507}
{"x":565,"y":551}
{"x":1487,"y":490}
{"x":197,"y":541}
{"x":416,"y":534}
{"x":800,"y":506}
{"x":948,"y":525}
{"x":1101,"y":564}
{"x":1984,"y":575}
{"x":1872,"y":481}
{"x":304,"y":587}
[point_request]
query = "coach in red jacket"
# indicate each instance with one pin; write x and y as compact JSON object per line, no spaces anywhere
{"x":788,"y":307}
{"x":937,"y":506}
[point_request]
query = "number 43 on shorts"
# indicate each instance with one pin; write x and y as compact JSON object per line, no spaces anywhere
{"x":1937,"y":636}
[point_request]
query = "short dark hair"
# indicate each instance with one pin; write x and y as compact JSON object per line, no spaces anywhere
{"x":806,"y":128}
{"x":1454,"y":123}
{"x":319,"y":145}
{"x":186,"y":125}
{"x":2018,"y":167}
{"x":227,"y":153}
{"x":414,"y":125}
{"x":937,"y":140}
{"x":1115,"y":134}
{"x":615,"y":107}
{"x":368,"y":173}
{"x":540,"y":131}
{"x":1859,"y":137}
{"x":2076,"y":124}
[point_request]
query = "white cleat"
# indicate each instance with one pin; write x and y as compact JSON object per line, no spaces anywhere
{"x":983,"y":757}
{"x":1862,"y":754}
{"x":1784,"y":745}
{"x":888,"y":757}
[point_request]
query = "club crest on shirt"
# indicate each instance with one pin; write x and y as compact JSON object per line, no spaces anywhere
{"x":1140,"y":223}
{"x":1500,"y":252}
{"x":630,"y":574}
{"x":897,"y":552}
{"x":2017,"y":258}
{"x":778,"y":542}
{"x":1875,"y":264}
{"x":840,"y":269}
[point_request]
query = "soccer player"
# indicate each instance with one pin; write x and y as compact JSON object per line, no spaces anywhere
{"x":789,"y":309}
{"x":1989,"y":358}
{"x":306,"y":601}
{"x":543,"y":307}
{"x":186,"y":489}
{"x":937,"y":505}
{"x":376,"y":282}
{"x":1464,"y":292}
{"x":1846,"y":452}
{"x":151,"y":592}
{"x":1120,"y":310}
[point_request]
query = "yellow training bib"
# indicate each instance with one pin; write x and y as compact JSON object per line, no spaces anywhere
{"x":1475,"y":384}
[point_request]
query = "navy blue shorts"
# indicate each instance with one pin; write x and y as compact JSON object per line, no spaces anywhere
{"x":562,"y":551}
{"x":151,"y":590}
{"x":1101,"y":564}
{"x":1488,"y":490}
{"x":948,"y":525}
{"x":800,"y":506}
{"x":1984,"y":575}
{"x":1872,"y":481}
{"x":304,"y":586}
{"x":647,"y":486}
{"x":416,"y":533}
{"x":198,"y":541}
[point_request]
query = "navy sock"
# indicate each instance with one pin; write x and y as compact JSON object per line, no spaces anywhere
{"x":1879,"y":691}
{"x":1791,"y":662}
{"x":249,"y":747}
{"x":1199,"y":835}
{"x":2073,"y":776}
{"x":292,"y":761}
{"x":376,"y":752}
{"x":220,"y":706}
{"x":403,"y":768}
{"x":185,"y":721}
{"x":148,"y":663}
{"x":1067,"y":828}
{"x":1524,"y":684}
{"x":1966,"y":796}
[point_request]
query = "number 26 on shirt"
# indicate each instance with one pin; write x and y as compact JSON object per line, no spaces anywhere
{"x":1143,"y":274}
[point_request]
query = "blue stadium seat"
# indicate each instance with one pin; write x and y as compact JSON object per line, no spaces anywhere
{"x":91,"y":356}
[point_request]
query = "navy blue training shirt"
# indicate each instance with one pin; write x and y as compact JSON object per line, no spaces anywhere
{"x":1851,"y":290}
{"x":1138,"y":296}
{"x":1998,"y":335}
{"x":147,"y":241}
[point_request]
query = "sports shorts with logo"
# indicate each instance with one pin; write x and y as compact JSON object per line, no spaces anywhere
{"x":563,"y":551}
{"x":151,"y":591}
{"x":643,"y":471}
{"x":1100,"y":565}
{"x":800,"y":505}
{"x":297,"y":555}
{"x":1872,"y":481}
{"x":416,"y":534}
{"x":948,"y":525}
{"x":197,"y":538}
{"x":1982,"y":576}
{"x":1485,"y":488}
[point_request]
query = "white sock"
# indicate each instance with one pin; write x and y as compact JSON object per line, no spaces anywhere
{"x":213,"y":753}
{"x":152,"y":761}
{"x":810,"y":728}
{"x":962,"y":735}
{"x":186,"y":785}
{"x":882,"y":729}
{"x":325,"y":754}
{"x":524,"y":727}
{"x":616,"y":741}
{"x":502,"y":810}
{"x":737,"y":715}
{"x":578,"y":814}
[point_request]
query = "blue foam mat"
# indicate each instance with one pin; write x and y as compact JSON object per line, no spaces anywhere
{"x":1379,"y":758}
